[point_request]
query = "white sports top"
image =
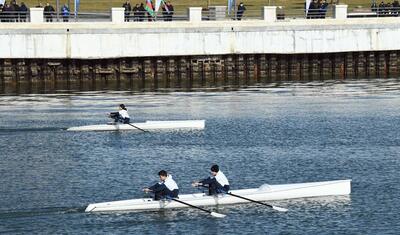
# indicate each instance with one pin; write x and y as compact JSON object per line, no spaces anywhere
{"x":124,"y":113}
{"x":221,"y":178}
{"x":170,"y":183}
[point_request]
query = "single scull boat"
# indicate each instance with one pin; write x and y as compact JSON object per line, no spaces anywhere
{"x":148,"y":125}
{"x":263,"y":193}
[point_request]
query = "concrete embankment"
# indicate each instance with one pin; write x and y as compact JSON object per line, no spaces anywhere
{"x":208,"y":52}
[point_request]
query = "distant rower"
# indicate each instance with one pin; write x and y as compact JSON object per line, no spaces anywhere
{"x":166,"y":188}
{"x":217,"y":183}
{"x":121,"y":116}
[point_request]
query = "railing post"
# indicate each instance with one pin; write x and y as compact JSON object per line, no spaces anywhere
{"x":36,"y":15}
{"x":269,"y":13}
{"x":195,"y":14}
{"x":340,"y":12}
{"x":118,"y":14}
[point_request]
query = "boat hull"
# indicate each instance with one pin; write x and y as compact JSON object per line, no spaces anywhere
{"x":263,"y":193}
{"x":148,"y":125}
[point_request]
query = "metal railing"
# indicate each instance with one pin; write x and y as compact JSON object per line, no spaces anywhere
{"x":14,"y":16}
{"x":207,"y":15}
{"x":144,"y":16}
{"x":383,"y":11}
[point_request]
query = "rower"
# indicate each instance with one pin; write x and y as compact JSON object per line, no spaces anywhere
{"x":216,"y":183}
{"x":120,"y":116}
{"x":165,"y":189}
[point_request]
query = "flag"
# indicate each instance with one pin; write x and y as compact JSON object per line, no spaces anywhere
{"x":158,"y":4}
{"x":149,"y":7}
{"x":307,"y":5}
{"x":231,"y":6}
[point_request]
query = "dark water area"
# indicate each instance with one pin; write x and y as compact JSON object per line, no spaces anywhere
{"x":276,"y":134}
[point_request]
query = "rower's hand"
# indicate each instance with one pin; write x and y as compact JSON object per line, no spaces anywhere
{"x":146,"y":190}
{"x":195,"y":184}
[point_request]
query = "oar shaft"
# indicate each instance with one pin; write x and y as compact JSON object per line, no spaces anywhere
{"x":248,"y":199}
{"x":187,"y":204}
{"x":137,"y":127}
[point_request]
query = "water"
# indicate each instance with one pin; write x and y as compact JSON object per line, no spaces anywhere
{"x":284,"y":133}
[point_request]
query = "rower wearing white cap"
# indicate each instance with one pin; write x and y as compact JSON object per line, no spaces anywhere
{"x":166,"y":188}
{"x":216,"y":183}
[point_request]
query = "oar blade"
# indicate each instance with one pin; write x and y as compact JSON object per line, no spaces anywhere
{"x":279,"y":208}
{"x":217,"y":215}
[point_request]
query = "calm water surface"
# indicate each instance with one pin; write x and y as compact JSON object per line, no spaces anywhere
{"x":284,"y":133}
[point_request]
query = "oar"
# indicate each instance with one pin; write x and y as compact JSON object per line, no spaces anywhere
{"x":251,"y":200}
{"x":261,"y":203}
{"x":137,"y":127}
{"x":215,"y":214}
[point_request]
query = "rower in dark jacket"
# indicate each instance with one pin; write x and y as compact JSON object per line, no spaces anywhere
{"x":165,"y":189}
{"x":216,"y":183}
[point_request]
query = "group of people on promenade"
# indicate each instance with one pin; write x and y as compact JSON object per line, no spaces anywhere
{"x":386,"y":9}
{"x":317,"y":9}
{"x":147,"y":11}
{"x":49,"y":12}
{"x":12,"y":12}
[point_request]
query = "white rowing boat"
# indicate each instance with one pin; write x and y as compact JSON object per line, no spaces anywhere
{"x":148,"y":125}
{"x":263,"y":193}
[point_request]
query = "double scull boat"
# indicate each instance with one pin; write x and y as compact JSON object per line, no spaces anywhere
{"x":264,"y":193}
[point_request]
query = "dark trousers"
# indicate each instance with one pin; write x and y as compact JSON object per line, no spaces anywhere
{"x":165,"y":194}
{"x":215,"y":188}
{"x":118,"y":118}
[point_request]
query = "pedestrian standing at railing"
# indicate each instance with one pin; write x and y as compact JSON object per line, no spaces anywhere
{"x":323,"y":9}
{"x":7,"y":12}
{"x":48,"y":12}
{"x":170,"y":10}
{"x":1,"y":12}
{"x":395,"y":8}
{"x":240,"y":11}
{"x":127,"y":11}
{"x":313,"y":10}
{"x":142,"y":12}
{"x":65,"y":13}
{"x":136,"y":12}
{"x":23,"y":12}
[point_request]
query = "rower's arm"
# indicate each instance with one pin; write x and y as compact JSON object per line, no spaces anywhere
{"x":157,"y":187}
{"x":209,"y":180}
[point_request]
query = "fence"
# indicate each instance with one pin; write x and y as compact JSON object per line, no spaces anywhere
{"x":270,"y":13}
{"x":14,"y":16}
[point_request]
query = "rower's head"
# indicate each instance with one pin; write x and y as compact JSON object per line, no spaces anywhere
{"x":214,"y":170}
{"x":122,"y":107}
{"x":163,"y":175}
